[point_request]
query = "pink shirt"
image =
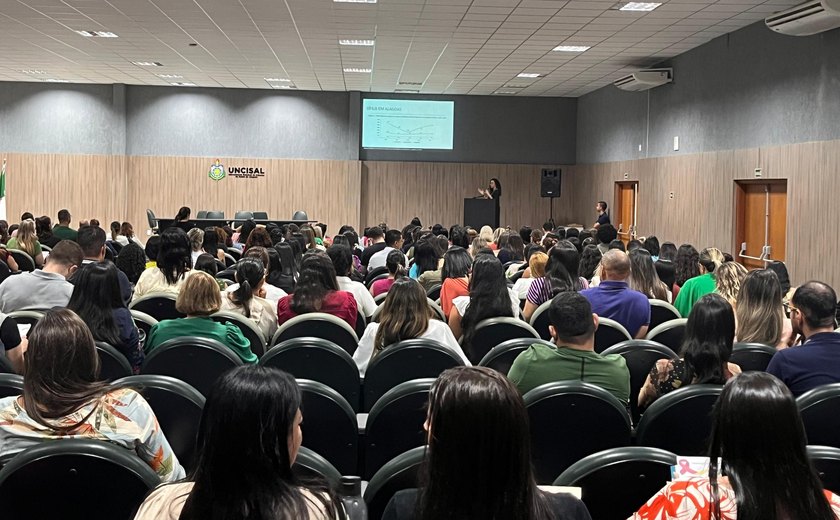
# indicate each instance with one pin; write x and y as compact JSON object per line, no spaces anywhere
{"x":340,"y":304}
{"x":382,"y":286}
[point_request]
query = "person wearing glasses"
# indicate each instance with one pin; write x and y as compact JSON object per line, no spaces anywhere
{"x":817,"y":361}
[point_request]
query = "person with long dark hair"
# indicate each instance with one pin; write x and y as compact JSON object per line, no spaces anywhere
{"x":173,"y":265}
{"x":249,"y":297}
{"x":63,"y":398}
{"x":651,"y":244}
{"x":248,"y":440}
{"x":692,"y":289}
{"x":457,"y":264}
{"x":561,"y":275}
{"x":590,"y":259}
{"x":284,"y":274}
{"x":706,"y":349}
{"x":686,"y":267}
{"x":493,"y":191}
{"x":210,"y":244}
{"x":405,"y":315}
{"x":131,"y":261}
{"x":489,"y":297}
{"x":427,"y":257}
{"x":317,"y":291}
{"x":768,"y":476}
{"x":467,"y":405}
{"x":395,"y":262}
{"x":183,"y":214}
{"x":96,"y":299}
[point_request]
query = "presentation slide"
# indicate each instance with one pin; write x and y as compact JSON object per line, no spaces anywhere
{"x":407,"y":124}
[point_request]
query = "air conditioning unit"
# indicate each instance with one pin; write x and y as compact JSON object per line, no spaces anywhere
{"x":806,"y":19}
{"x":645,"y":79}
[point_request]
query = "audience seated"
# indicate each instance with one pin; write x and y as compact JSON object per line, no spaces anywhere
{"x":694,"y":288}
{"x":63,"y":230}
{"x":152,"y":249}
{"x":317,"y":291}
{"x":474,"y":468}
{"x":198,"y":299}
{"x":405,"y":315}
{"x":561,"y":274}
{"x":282,"y":271}
{"x":249,"y":297}
{"x":342,"y":259}
{"x":259,"y":237}
{"x":207,"y":264}
{"x":768,"y":475}
{"x":127,"y":235}
{"x":457,"y":264}
{"x":272,"y":292}
{"x":27,"y":241}
{"x":759,"y":313}
{"x":817,"y":361}
{"x":248,"y":439}
{"x":537,"y":262}
{"x":396,"y":270}
{"x":196,"y":238}
{"x":131,"y":262}
{"x":614,"y":299}
{"x":728,"y":279}
{"x":92,"y":241}
{"x":12,"y":342}
{"x":211,"y":243}
{"x":97,"y":301}
{"x":651,"y":245}
{"x":590,"y":259}
{"x":43,"y":228}
{"x":705,"y":352}
{"x":643,"y":277}
{"x":573,"y":355}
{"x":428,"y":262}
{"x":605,"y":235}
{"x":393,"y":240}
{"x":43,"y":288}
{"x":489,"y":297}
{"x":63,"y":399}
{"x":686,"y":267}
{"x":173,"y":265}
{"x":377,"y":243}
{"x":9,"y":260}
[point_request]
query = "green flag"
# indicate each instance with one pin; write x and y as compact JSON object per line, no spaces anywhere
{"x":3,"y":191}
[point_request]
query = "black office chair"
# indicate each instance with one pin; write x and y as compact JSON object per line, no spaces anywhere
{"x":826,"y":461}
{"x":143,"y":322}
{"x":405,"y":361}
{"x":319,"y":360}
{"x":670,"y":334}
{"x":398,"y":474}
{"x":300,"y":215}
{"x":570,"y":420}
{"x":330,"y":428}
{"x":373,"y":273}
{"x":609,"y":333}
{"x":177,"y":407}
{"x":196,"y":361}
{"x":10,"y":384}
{"x":395,"y":424}
{"x":540,"y":322}
{"x":260,"y":215}
{"x":641,"y":355}
{"x":318,"y":325}
{"x":201,"y":214}
{"x":248,"y":328}
{"x":26,"y":317}
{"x":661,"y":312}
{"x":215,"y":215}
{"x":819,"y":410}
{"x":113,"y":364}
{"x":71,"y":469}
{"x":502,"y":356}
{"x":495,"y":331}
{"x":680,"y":421}
{"x":159,"y":306}
{"x":24,"y":261}
{"x":153,"y":222}
{"x":615,"y":483}
{"x":434,"y":292}
{"x":752,"y":356}
{"x":309,"y":465}
{"x":240,"y":217}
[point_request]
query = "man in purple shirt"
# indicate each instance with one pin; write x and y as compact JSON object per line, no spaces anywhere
{"x":817,"y":361}
{"x":615,"y":300}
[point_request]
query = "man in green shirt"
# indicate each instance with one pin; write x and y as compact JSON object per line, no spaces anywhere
{"x":63,"y":230}
{"x":695,"y":288}
{"x":573,"y":358}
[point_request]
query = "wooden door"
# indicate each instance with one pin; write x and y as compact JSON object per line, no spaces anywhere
{"x":761,"y":222}
{"x":624,"y":218}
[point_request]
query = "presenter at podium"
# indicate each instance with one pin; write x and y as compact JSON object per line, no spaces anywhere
{"x":494,"y":191}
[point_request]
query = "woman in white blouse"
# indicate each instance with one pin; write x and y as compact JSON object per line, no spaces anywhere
{"x":405,"y":315}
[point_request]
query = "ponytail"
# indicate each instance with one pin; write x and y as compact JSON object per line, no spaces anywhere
{"x":243,"y":296}
{"x":250,"y":272}
{"x":395,"y":262}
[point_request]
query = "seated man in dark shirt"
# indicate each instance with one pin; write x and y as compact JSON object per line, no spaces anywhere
{"x":817,"y":361}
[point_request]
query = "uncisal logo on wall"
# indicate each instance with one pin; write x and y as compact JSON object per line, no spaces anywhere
{"x":218,"y":172}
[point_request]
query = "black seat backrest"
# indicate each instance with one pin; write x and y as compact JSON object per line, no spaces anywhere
{"x":26,"y":317}
{"x":373,"y":273}
{"x":680,"y":421}
{"x":405,"y":361}
{"x":177,"y":407}
{"x":609,"y":333}
{"x":158,"y":306}
{"x":398,"y":474}
{"x":318,"y":325}
{"x":752,"y":356}
{"x":660,"y":312}
{"x":5,"y":272}
{"x":670,"y":334}
{"x":248,"y":328}
{"x":143,"y":322}
{"x":330,"y":428}
{"x":570,"y":420}
{"x":819,"y":410}
{"x":260,"y":215}
{"x":826,"y":460}
{"x":240,"y":216}
{"x":540,"y":320}
{"x":10,"y":384}
{"x":504,"y":354}
{"x":152,"y":220}
{"x":434,"y":292}
{"x":309,"y":465}
{"x":615,"y":483}
{"x":197,"y":361}
{"x":202,"y":214}
{"x":395,"y":424}
{"x":494,"y":331}
{"x":70,"y":469}
{"x":300,"y":215}
{"x":640,"y":355}
{"x":319,"y":360}
{"x":24,"y":261}
{"x":113,"y":364}
{"x":215,"y":215}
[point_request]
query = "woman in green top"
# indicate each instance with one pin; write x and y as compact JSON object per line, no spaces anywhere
{"x":198,"y":299}
{"x":27,"y":241}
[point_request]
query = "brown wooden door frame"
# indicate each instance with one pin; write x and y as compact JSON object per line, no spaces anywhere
{"x":630,"y":231}
{"x":740,"y":194}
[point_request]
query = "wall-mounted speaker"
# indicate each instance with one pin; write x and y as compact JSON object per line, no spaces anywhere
{"x":550,"y":183}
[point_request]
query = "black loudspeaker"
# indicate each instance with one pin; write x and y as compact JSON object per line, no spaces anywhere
{"x":550,"y":183}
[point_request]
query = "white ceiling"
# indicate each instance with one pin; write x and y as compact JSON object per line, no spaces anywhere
{"x":435,"y":46}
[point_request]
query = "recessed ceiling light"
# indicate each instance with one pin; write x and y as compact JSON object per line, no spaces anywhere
{"x":53,"y":80}
{"x":528,"y":75}
{"x":147,"y":63}
{"x":284,"y":87}
{"x":182,"y":84}
{"x":354,"y":69}
{"x":358,"y":43}
{"x":407,"y":91}
{"x":355,"y":1}
{"x":571,"y":48}
{"x":169,"y":76}
{"x":639,"y":6}
{"x":276,"y":80}
{"x":97,"y":34}
{"x":506,"y":92}
{"x":32,"y":71}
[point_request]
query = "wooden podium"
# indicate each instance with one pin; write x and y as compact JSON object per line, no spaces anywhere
{"x":481,"y":212}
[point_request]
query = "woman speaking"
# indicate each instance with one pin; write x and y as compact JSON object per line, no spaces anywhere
{"x":494,"y":191}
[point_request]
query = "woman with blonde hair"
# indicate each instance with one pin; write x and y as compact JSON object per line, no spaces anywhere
{"x":536,"y":269}
{"x":196,"y":236}
{"x":759,"y":315}
{"x":405,"y":315}
{"x":728,"y":280}
{"x":486,"y":233}
{"x":643,"y":277}
{"x":27,"y":241}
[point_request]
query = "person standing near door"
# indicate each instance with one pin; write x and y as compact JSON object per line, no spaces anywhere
{"x":603,"y":216}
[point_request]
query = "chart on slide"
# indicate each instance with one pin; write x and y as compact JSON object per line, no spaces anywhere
{"x":407,"y":124}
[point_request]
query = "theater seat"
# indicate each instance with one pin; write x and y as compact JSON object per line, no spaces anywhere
{"x":318,"y":325}
{"x":826,"y":461}
{"x":398,"y":474}
{"x":143,"y":321}
{"x":48,"y":480}
{"x":502,"y":356}
{"x":819,"y":410}
{"x":660,"y":312}
{"x":434,"y":292}
{"x":24,"y":261}
{"x":494,"y":331}
{"x":26,"y":317}
{"x":329,"y":427}
{"x":540,"y":321}
{"x":253,"y":334}
{"x":669,"y":334}
{"x":309,"y":465}
{"x":752,"y":356}
{"x":160,"y":306}
{"x":10,"y":384}
{"x":680,"y":421}
{"x":113,"y":364}
{"x":609,"y":333}
{"x":197,"y":361}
